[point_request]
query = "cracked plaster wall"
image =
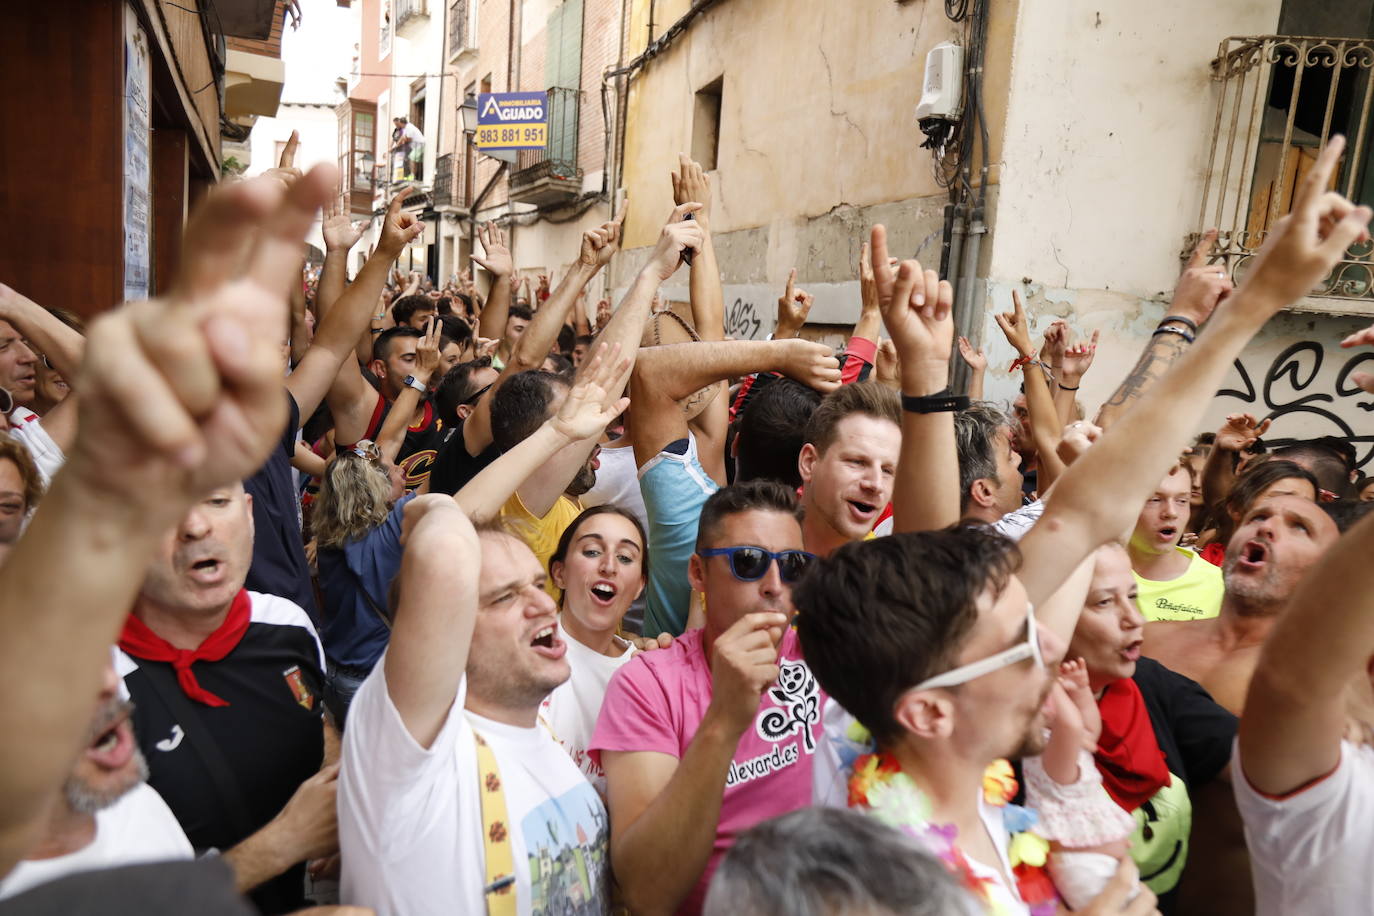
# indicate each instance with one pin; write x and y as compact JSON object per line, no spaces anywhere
{"x":818,"y":140}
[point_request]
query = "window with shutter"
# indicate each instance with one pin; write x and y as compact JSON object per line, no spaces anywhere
{"x":563,"y":70}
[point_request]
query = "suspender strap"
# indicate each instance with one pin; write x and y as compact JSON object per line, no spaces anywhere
{"x":500,"y":861}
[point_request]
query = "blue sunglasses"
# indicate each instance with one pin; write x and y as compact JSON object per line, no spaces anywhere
{"x":750,"y":564}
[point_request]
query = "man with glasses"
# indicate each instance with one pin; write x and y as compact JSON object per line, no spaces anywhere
{"x":705,"y":739}
{"x":931,"y":642}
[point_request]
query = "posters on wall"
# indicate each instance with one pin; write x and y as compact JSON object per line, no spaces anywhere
{"x":137,"y":174}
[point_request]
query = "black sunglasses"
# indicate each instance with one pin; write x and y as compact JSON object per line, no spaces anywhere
{"x":750,"y":564}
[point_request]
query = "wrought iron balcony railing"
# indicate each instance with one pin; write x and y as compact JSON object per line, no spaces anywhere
{"x":443,"y":180}
{"x":555,"y":166}
{"x":1281,"y":98}
{"x":407,"y":10}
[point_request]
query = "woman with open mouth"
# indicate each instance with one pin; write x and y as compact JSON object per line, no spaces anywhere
{"x":1162,"y":735}
{"x":601,"y":564}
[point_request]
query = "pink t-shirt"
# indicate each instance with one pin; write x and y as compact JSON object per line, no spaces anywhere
{"x":657,"y":701}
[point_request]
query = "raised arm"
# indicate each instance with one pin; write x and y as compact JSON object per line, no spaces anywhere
{"x":340,"y":235}
{"x":428,"y":651}
{"x":711,"y":425}
{"x":665,"y":375}
{"x":793,"y":306}
{"x":977,"y":363}
{"x":1239,"y":432}
{"x":1200,"y":288}
{"x":870,"y":323}
{"x":591,"y":404}
{"x":392,"y":435}
{"x":179,"y":395}
{"x":1077,"y":359}
{"x":63,"y":346}
{"x":329,"y":368}
{"x":1098,"y":497}
{"x":498,"y":262}
{"x":598,"y":245}
{"x":916,"y":308}
{"x":1295,"y":711}
{"x":1044,"y":421}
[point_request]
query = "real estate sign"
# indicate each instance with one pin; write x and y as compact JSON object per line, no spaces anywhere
{"x":512,"y":120}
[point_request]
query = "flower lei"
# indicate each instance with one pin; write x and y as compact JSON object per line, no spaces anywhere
{"x":878,"y":784}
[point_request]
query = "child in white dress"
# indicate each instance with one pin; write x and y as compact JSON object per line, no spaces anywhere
{"x":1088,"y":832}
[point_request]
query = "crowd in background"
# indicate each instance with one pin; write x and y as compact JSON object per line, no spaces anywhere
{"x":388,"y":596}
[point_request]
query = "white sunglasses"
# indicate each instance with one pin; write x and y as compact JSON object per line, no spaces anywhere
{"x":1017,"y":653}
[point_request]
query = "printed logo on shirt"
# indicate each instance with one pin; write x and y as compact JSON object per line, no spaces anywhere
{"x":172,"y":743}
{"x":1164,"y":604}
{"x":296,"y":681}
{"x":416,"y":467}
{"x":567,"y":840}
{"x":799,"y":709}
{"x":780,"y":757}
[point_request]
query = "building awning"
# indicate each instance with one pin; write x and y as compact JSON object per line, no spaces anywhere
{"x":252,"y":84}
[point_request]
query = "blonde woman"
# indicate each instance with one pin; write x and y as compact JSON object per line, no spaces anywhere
{"x":357,"y":526}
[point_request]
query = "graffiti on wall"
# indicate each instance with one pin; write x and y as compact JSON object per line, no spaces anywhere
{"x":1287,"y":389}
{"x":742,"y":321}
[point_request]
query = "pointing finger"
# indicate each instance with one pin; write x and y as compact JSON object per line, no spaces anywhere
{"x":288,"y":153}
{"x":1202,"y":249}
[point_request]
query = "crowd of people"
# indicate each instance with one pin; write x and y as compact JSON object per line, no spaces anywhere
{"x":371,"y":596}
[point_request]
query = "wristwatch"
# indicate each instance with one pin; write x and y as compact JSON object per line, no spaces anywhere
{"x":412,"y":382}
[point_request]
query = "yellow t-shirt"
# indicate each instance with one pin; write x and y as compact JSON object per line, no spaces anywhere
{"x":1195,"y":595}
{"x":541,"y":534}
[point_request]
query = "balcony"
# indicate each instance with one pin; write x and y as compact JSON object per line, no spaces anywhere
{"x":1280,"y":99}
{"x":551,"y":175}
{"x":461,"y":35}
{"x":448,"y":186}
{"x":408,"y":11}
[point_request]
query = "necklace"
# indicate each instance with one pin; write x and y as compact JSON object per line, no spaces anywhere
{"x":878,"y":785}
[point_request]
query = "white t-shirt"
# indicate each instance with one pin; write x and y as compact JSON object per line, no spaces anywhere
{"x":617,"y":482}
{"x":1312,"y":852}
{"x":570,"y":711}
{"x":410,"y":819}
{"x":1015,"y":524}
{"x":27,"y":428}
{"x":137,"y":829}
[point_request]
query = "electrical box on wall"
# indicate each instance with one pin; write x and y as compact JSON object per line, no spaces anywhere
{"x":943,"y":89}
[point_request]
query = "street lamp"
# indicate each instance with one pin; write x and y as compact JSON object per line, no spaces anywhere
{"x":469,"y":112}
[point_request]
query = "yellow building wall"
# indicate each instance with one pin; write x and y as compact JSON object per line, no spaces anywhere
{"x":818,"y":107}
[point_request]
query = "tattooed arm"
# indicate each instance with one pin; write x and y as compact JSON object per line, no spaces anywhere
{"x":1200,"y":287}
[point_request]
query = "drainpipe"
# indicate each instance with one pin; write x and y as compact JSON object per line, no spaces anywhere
{"x":964,"y":319}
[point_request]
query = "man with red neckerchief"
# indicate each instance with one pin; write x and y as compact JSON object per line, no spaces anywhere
{"x":226,"y":685}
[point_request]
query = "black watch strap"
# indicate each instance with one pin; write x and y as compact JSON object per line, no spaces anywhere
{"x":939,"y":402}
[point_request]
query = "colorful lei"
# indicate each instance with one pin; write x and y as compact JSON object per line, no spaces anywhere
{"x":878,"y":784}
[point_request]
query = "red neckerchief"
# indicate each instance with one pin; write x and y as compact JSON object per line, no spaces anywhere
{"x":1213,"y":553}
{"x":141,"y":642}
{"x":1128,"y":755}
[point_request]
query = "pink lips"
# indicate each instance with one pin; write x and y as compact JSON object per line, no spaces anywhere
{"x":119,"y":753}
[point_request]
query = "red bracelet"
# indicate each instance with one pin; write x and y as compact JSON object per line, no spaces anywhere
{"x":1019,"y":362}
